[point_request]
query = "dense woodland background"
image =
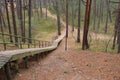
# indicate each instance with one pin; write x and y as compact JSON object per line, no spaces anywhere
{"x":26,"y":18}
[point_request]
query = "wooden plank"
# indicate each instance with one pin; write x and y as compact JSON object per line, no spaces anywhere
{"x":12,"y":55}
{"x":3,"y":60}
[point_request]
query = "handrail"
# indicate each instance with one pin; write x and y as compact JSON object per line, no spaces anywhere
{"x":34,"y":42}
{"x":18,"y":36}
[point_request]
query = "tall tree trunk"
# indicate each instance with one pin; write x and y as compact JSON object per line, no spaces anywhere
{"x":58,"y":17}
{"x":14,"y":20}
{"x":108,"y":15}
{"x":41,"y":14}
{"x":119,"y":28}
{"x":85,"y":44}
{"x":66,"y":24}
{"x":99,"y":15}
{"x":21,"y":20}
{"x":94,"y":24}
{"x":24,"y":4}
{"x":29,"y":27}
{"x":79,"y":21}
{"x":45,"y":4}
{"x":2,"y":31}
{"x":115,"y":32}
{"x":8,"y":20}
{"x":106,"y":24}
{"x":109,"y":11}
{"x":73,"y":15}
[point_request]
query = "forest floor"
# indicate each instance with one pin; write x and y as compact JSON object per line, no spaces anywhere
{"x":73,"y":64}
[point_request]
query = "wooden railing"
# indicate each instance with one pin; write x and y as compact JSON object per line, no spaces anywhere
{"x":20,"y":44}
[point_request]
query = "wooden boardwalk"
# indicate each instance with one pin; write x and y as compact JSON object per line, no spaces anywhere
{"x":13,"y":55}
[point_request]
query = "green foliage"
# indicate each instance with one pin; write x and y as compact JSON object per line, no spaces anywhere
{"x":43,"y":29}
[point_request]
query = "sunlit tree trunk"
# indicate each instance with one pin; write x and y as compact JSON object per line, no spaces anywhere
{"x":85,"y":44}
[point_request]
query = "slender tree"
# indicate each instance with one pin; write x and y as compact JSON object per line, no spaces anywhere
{"x":73,"y":14}
{"x":8,"y":20}
{"x":58,"y":17}
{"x":14,"y":20}
{"x":41,"y":14}
{"x":29,"y":27}
{"x":46,"y":7}
{"x":85,"y":44}
{"x":94,"y":24}
{"x":21,"y":20}
{"x":118,"y":28}
{"x":115,"y":32}
{"x":66,"y":24}
{"x":24,"y":10}
{"x":1,"y":27}
{"x":79,"y":21}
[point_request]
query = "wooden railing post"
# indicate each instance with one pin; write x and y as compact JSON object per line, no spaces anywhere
{"x":34,"y":44}
{"x":7,"y":71}
{"x":39,"y":44}
{"x":26,"y":62}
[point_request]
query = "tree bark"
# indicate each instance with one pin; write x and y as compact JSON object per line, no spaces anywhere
{"x":79,"y":21}
{"x":119,"y":28}
{"x":66,"y":24}
{"x":29,"y":27}
{"x":73,"y":15}
{"x":58,"y":17}
{"x":41,"y":14}
{"x":85,"y":44}
{"x":94,"y":24}
{"x":14,"y":20}
{"x":8,"y":20}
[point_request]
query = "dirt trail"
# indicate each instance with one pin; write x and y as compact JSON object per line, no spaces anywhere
{"x":91,"y":34}
{"x":73,"y":65}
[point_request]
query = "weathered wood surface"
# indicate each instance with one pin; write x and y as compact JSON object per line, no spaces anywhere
{"x":11,"y":55}
{"x":3,"y":60}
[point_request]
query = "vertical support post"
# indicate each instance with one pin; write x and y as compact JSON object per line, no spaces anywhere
{"x":16,"y":66}
{"x":42,"y":44}
{"x":39,"y":44}
{"x":37,"y":57}
{"x":26,"y":62}
{"x":7,"y":71}
{"x":34,"y":44}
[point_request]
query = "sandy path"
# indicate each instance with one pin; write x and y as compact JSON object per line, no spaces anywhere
{"x":92,"y":34}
